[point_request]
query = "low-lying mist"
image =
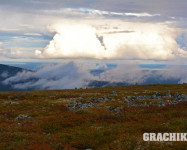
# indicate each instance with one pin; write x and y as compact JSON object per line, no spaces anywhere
{"x":81,"y":75}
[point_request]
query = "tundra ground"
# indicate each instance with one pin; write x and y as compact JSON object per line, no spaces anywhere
{"x":98,"y":119}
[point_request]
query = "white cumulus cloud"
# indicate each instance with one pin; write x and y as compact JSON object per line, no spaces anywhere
{"x":113,"y":39}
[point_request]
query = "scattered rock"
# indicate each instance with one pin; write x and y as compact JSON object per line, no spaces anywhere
{"x":168,"y":94}
{"x":174,"y":102}
{"x":75,"y":105}
{"x":176,"y":95}
{"x":107,"y":98}
{"x":14,"y":103}
{"x":171,"y":99}
{"x":154,"y":96}
{"x":184,"y":97}
{"x":157,"y":96}
{"x":114,"y":93}
{"x":22,"y":116}
{"x":157,"y":93}
{"x":15,"y":98}
{"x":139,"y":105}
{"x":95,"y":99}
{"x":110,"y":108}
{"x":161,"y":103}
{"x":127,"y":102}
{"x":116,"y":110}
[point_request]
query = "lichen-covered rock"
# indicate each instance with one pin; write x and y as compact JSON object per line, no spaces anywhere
{"x":168,"y":94}
{"x":95,"y":99}
{"x":139,"y":105}
{"x":114,"y":93}
{"x":107,"y":98}
{"x":161,"y":103}
{"x":115,"y":109}
{"x":14,"y":103}
{"x":75,"y":105}
{"x":22,"y":116}
{"x":184,"y":97}
{"x":176,"y":95}
{"x":157,"y":96}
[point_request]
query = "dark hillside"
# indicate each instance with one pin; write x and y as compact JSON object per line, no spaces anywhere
{"x":6,"y":72}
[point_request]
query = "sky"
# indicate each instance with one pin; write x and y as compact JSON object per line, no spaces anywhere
{"x":54,"y":30}
{"x":94,"y":31}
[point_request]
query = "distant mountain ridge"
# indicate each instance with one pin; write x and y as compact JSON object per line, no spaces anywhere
{"x":7,"y":71}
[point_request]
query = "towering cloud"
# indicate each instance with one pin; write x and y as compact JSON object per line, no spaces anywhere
{"x":74,"y":41}
{"x":109,"y":40}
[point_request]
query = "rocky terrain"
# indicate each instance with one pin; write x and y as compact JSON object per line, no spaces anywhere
{"x":156,"y":99}
{"x":101,"y":118}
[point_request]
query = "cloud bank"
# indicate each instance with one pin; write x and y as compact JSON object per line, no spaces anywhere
{"x":122,"y":40}
{"x":68,"y":75}
{"x":92,"y":29}
{"x":76,"y":75}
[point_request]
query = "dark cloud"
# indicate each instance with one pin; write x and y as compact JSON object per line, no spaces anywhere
{"x":100,"y":38}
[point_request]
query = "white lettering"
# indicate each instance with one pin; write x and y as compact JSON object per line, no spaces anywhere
{"x":172,"y":136}
{"x":178,"y":136}
{"x":152,"y":136}
{"x":159,"y":137}
{"x":166,"y":136}
{"x":183,"y":137}
{"x":146,"y":136}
